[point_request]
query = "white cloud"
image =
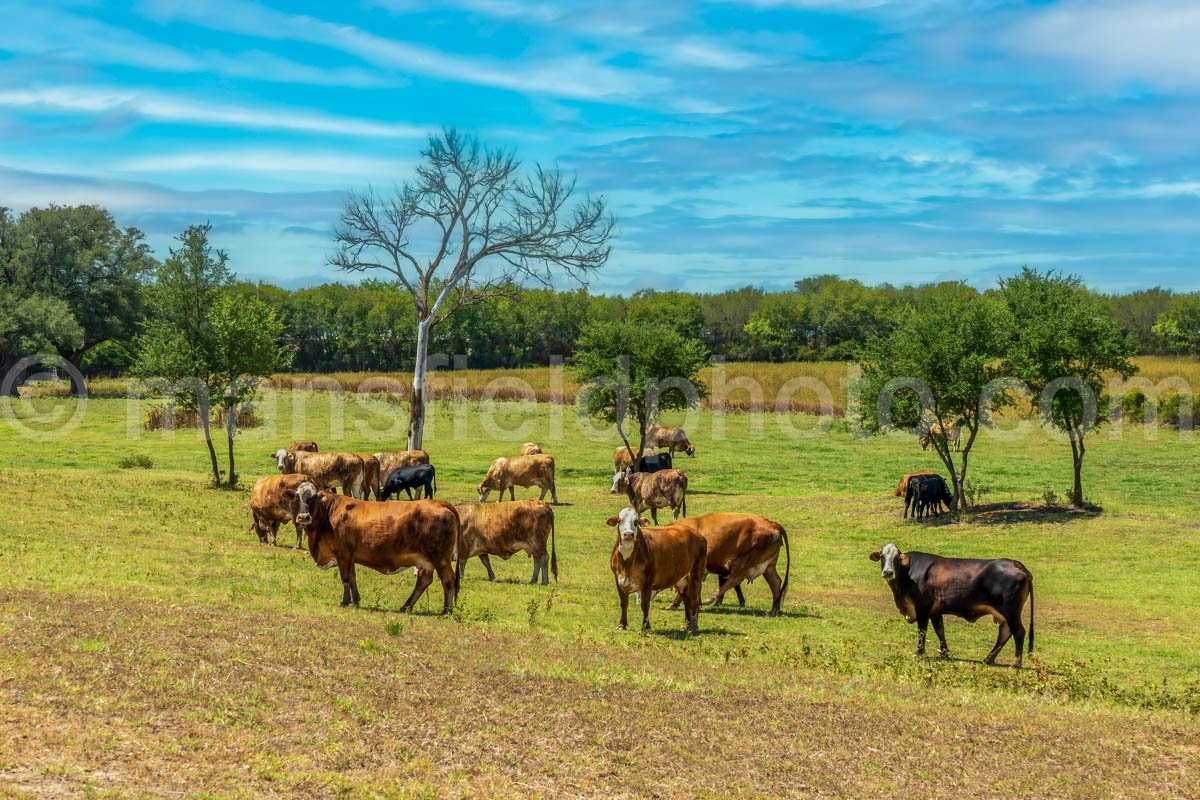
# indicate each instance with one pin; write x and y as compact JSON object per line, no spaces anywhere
{"x":165,"y":108}
{"x":300,"y":165}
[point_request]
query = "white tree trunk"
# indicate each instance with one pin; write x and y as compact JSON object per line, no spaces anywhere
{"x":416,"y":416}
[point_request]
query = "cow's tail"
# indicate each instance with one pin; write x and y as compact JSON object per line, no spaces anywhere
{"x":1031,"y":612}
{"x":684,"y":503}
{"x":454,"y":550}
{"x":554,"y":553}
{"x":787,"y":567}
{"x":433,"y":480}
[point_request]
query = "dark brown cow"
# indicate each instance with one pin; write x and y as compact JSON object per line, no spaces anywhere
{"x":272,"y":503}
{"x":385,"y":536}
{"x":325,"y":470}
{"x":926,"y":587}
{"x":392,"y":460}
{"x":502,"y":529}
{"x":654,"y":490}
{"x":671,"y":438}
{"x":648,"y":560}
{"x":742,"y":547}
{"x":506,"y":473}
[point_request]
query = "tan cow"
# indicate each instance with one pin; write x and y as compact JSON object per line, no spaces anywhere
{"x":672,"y":438}
{"x":506,"y":473}
{"x":303,"y":447}
{"x":531,"y":449}
{"x":648,"y":560}
{"x":272,"y":503}
{"x":502,"y":529}
{"x":622,"y":459}
{"x":371,"y":483}
{"x":952,"y":435}
{"x":392,"y":460}
{"x":741,"y":547}
{"x":902,"y":487}
{"x":325,"y":470}
{"x":654,"y":490}
{"x":387,"y":537}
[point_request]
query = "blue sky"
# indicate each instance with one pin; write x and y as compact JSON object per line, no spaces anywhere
{"x":737,"y":142}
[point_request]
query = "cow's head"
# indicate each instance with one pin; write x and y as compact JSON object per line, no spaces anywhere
{"x":485,"y":488}
{"x":628,"y":524}
{"x":286,"y":460}
{"x":891,"y":560}
{"x":302,"y":508}
{"x":691,"y":451}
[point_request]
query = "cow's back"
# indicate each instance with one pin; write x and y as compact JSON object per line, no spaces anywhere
{"x":502,"y":523}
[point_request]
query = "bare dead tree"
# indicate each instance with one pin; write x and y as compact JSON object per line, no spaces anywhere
{"x":470,"y":223}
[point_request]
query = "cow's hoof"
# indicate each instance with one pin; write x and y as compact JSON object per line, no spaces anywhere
{"x":621,"y":627}
{"x":774,"y":612}
{"x":920,"y":653}
{"x":944,"y":653}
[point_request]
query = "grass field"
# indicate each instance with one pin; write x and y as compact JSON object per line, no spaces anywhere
{"x":150,"y":646}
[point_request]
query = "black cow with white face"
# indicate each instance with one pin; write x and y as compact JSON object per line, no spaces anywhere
{"x":926,"y":587}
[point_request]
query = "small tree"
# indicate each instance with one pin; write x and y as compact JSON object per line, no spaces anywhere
{"x":469,"y":209}
{"x":206,"y":342}
{"x":937,"y":367}
{"x":1178,"y":327}
{"x":637,"y":371}
{"x":1065,"y":340}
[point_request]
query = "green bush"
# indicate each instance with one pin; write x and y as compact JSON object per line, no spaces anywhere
{"x":139,"y":461}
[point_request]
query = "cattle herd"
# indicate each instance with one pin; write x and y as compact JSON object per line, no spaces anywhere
{"x":437,"y":538}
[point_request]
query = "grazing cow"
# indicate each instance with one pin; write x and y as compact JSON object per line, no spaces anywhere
{"x":622,"y":458}
{"x":672,"y":438}
{"x":531,"y":449}
{"x":740,"y":548}
{"x":392,"y":460}
{"x":325,"y":470}
{"x":370,"y":485}
{"x":387,"y":537}
{"x":926,"y":587}
{"x":502,"y":529}
{"x":421,"y":476}
{"x":902,"y":486}
{"x":648,"y":560}
{"x":507,"y":473}
{"x":654,"y":490}
{"x":272,"y":503}
{"x":303,"y":447}
{"x":926,"y":495}
{"x":952,"y":434}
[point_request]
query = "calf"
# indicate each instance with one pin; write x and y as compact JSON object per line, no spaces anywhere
{"x":392,"y":460}
{"x":622,"y":457}
{"x":740,"y":548}
{"x":672,"y":438}
{"x":272,"y":503}
{"x":648,"y":560}
{"x":507,"y":473}
{"x":421,"y":476}
{"x":387,"y":537}
{"x":531,"y":449}
{"x":927,"y":587}
{"x":325,"y":470}
{"x":654,"y":490}
{"x":502,"y":529}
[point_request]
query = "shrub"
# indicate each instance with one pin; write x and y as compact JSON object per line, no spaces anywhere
{"x":139,"y":461}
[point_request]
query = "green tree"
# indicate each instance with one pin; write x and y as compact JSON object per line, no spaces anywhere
{"x":1137,"y":312}
{"x":208,"y":341}
{"x":1064,"y":342}
{"x":637,"y":371}
{"x":939,"y":366}
{"x":1178,"y":327}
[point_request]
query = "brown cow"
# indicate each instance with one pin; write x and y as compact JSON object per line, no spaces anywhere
{"x":385,"y":536}
{"x":531,"y":449}
{"x":303,"y":447}
{"x":506,"y":473}
{"x":272,"y":503}
{"x":925,"y":587}
{"x":502,"y":529}
{"x":952,"y":434}
{"x":740,"y":548}
{"x":392,"y":460}
{"x":902,"y":487}
{"x":622,"y":459}
{"x":648,"y":560}
{"x":654,"y":490}
{"x":370,"y":483}
{"x":672,"y":438}
{"x":325,"y":470}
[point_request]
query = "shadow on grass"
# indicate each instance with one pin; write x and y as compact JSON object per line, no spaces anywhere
{"x":711,"y":492}
{"x":1015,"y":513}
{"x":761,"y":612}
{"x":679,"y":635}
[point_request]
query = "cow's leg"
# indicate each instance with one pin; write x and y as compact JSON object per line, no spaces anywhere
{"x":408,"y":491}
{"x":553,"y":493}
{"x":449,"y":594}
{"x":922,"y":626}
{"x":654,"y":515}
{"x":512,"y":492}
{"x":624,"y":623}
{"x":273,"y":529}
{"x":1002,"y":637}
{"x":732,"y":579}
{"x":349,"y":587}
{"x":424,"y":578}
{"x":542,"y":562}
{"x":487,"y":564}
{"x":771,"y":576}
{"x":299,"y":537}
{"x":940,"y":629}
{"x":645,"y":597}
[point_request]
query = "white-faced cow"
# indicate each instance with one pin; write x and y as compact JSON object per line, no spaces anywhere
{"x":387,"y":537}
{"x":926,"y":587}
{"x":648,"y":560}
{"x":503,"y":529}
{"x":653,"y":490}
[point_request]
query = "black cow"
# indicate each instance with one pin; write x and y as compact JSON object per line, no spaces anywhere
{"x":418,"y":476}
{"x":926,"y":495}
{"x":926,"y":587}
{"x":654,"y":463}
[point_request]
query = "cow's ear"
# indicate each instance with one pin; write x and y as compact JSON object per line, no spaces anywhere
{"x":612,"y":521}
{"x":876,"y":556}
{"x":643,"y":522}
{"x":904,"y":559}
